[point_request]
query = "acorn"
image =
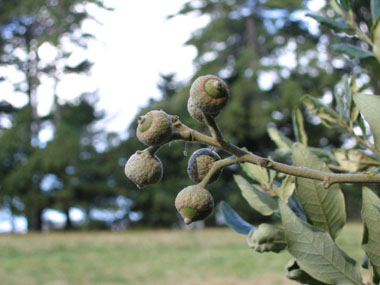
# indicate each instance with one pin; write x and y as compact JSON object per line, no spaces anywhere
{"x":209,"y":93}
{"x":154,"y":128}
{"x":143,"y":168}
{"x":194,"y":203}
{"x":195,"y":112}
{"x":267,"y":238}
{"x":200,"y":163}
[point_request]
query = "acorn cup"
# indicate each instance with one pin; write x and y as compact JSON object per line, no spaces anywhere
{"x":144,"y":169}
{"x":200,"y":163}
{"x":209,"y":93}
{"x":154,"y":128}
{"x":195,"y":112}
{"x":194,"y":203}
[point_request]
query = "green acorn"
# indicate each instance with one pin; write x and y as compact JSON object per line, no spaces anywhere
{"x":194,"y":203}
{"x":209,"y":93}
{"x":200,"y":163}
{"x":154,"y":128}
{"x":143,"y":168}
{"x":267,"y":238}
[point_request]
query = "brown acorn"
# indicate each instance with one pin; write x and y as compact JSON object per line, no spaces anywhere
{"x":143,"y":168}
{"x":209,"y":93}
{"x":154,"y":128}
{"x":200,"y":163}
{"x":194,"y":203}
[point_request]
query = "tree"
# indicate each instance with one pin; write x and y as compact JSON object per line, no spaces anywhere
{"x":25,"y":26}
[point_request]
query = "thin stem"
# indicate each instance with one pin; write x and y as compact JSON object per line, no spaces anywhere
{"x":216,"y":166}
{"x":213,"y":127}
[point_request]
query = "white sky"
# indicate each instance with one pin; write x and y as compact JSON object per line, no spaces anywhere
{"x":134,"y":45}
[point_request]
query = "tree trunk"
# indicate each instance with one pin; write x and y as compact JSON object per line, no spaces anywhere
{"x":34,"y":218}
{"x":69,"y":223}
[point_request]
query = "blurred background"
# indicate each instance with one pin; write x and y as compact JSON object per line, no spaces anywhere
{"x":75,"y":74}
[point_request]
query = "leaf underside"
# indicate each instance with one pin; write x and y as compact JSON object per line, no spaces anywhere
{"x":371,"y":236}
{"x":324,"y":208}
{"x":316,"y":252}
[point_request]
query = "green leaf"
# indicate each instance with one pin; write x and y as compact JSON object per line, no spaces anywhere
{"x":287,"y":188}
{"x":282,"y":142}
{"x":375,"y":10}
{"x":336,"y":25}
{"x":353,"y":160}
{"x":324,"y":208}
{"x":371,"y":234}
{"x":267,"y":238}
{"x":329,"y":117}
{"x":298,"y":127}
{"x":339,"y":102}
{"x":257,"y":173}
{"x":294,"y":272}
{"x":258,"y":200}
{"x":375,"y":36}
{"x":369,"y":106}
{"x":347,"y":92}
{"x":352,"y":50}
{"x":233,"y":220}
{"x":316,"y":252}
{"x":346,"y":4}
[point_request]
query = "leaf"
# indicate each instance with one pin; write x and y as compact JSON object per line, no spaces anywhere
{"x":298,"y":127}
{"x":353,"y":160}
{"x":346,"y":4}
{"x":257,"y":173}
{"x":329,"y":117}
{"x":352,"y":50}
{"x":369,"y":106}
{"x":324,"y":208}
{"x":234,"y":221}
{"x":375,"y":10}
{"x":339,"y":102}
{"x":294,"y":272}
{"x":260,"y":201}
{"x":375,"y":36}
{"x":287,"y":188}
{"x":282,"y":142}
{"x":331,"y":23}
{"x":316,"y":252}
{"x":371,"y":234}
{"x":347,"y":93}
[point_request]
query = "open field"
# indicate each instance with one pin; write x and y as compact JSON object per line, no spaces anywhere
{"x":212,"y":256}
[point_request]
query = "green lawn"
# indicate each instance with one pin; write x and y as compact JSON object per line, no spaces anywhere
{"x":212,"y":256}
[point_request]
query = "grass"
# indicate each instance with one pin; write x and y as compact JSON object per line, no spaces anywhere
{"x":212,"y":256}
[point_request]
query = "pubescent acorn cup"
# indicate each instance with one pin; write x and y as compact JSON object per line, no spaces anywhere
{"x":194,"y":203}
{"x":154,"y":128}
{"x":209,"y":93}
{"x":143,"y":168}
{"x":195,"y":112}
{"x":200,"y":163}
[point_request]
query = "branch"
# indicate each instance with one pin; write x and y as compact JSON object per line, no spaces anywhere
{"x":184,"y":132}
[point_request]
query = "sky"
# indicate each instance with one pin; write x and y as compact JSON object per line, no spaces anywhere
{"x":134,"y":44}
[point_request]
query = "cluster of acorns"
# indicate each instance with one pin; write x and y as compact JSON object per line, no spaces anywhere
{"x":208,"y":95}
